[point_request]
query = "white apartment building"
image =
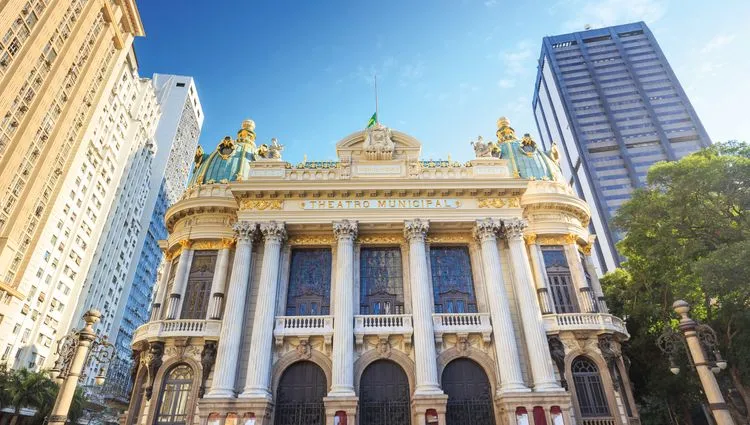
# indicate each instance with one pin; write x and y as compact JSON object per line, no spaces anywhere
{"x":123,"y":125}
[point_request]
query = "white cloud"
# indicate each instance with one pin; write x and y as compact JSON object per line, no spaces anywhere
{"x":717,"y":42}
{"x":518,"y":61}
{"x":602,"y":13}
{"x":506,"y":83}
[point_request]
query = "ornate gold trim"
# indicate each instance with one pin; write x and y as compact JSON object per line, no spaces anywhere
{"x":530,"y":238}
{"x":261,"y":204}
{"x":391,"y":239}
{"x":205,"y":245}
{"x":571,"y":238}
{"x":310,"y":240}
{"x":449,"y":238}
{"x":499,"y":202}
{"x":586,"y":249}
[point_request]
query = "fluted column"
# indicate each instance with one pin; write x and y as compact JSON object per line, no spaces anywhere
{"x":506,"y":349}
{"x":161,"y":296}
{"x":540,"y":280}
{"x":225,"y":369}
{"x":542,"y":370}
{"x":415,"y":232}
{"x":343,"y":315}
{"x":180,"y":281}
{"x":219,"y":282}
{"x":583,"y":290}
{"x":259,"y":361}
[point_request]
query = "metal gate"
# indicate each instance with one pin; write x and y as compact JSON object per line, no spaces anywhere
{"x":299,"y":397}
{"x":469,"y":394}
{"x":384,"y":395}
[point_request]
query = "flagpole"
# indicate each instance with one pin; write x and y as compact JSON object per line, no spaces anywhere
{"x":377,"y":117}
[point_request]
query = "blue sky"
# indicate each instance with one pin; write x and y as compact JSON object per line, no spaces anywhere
{"x":446,"y":69}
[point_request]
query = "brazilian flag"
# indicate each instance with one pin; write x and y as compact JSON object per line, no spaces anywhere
{"x":373,"y":120}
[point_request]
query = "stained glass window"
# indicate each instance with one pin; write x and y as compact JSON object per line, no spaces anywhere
{"x":198,"y":290}
{"x":173,"y":406}
{"x":309,"y":283}
{"x":560,"y":280}
{"x":381,"y":281}
{"x":452,"y":283}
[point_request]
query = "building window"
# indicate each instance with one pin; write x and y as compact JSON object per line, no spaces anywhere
{"x":452,"y":284}
{"x":173,"y":405}
{"x":309,"y":291}
{"x":180,"y":84}
{"x":381,"y":281}
{"x":198,"y":290}
{"x":560,"y":280}
{"x":592,"y":401}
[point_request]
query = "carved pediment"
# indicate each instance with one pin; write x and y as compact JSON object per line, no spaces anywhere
{"x":378,"y":143}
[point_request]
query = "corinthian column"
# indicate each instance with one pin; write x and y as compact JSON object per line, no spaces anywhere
{"x":180,"y":281}
{"x":506,"y":350}
{"x":225,"y":369}
{"x":415,"y":232}
{"x":159,"y":299}
{"x":542,"y":370}
{"x":219,"y":281}
{"x":259,"y":361}
{"x":343,"y":318}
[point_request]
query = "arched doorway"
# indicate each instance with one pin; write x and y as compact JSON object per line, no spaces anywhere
{"x":469,"y":394}
{"x":384,"y":395}
{"x":592,"y":401}
{"x":299,"y":397}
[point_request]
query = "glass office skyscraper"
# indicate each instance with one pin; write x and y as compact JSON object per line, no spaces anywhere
{"x":610,"y":101}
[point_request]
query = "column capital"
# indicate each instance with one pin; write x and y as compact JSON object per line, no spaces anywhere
{"x":186,"y":244}
{"x":273,"y":231}
{"x":514,"y":228}
{"x":487,"y":229}
{"x":416,"y":229}
{"x":530,"y":238}
{"x":586,"y":249}
{"x":571,"y":238}
{"x":244,"y":231}
{"x":345,"y":229}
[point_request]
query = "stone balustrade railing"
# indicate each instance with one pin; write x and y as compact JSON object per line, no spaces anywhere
{"x":208,"y":329}
{"x":462,"y":323}
{"x":599,"y":421}
{"x":303,"y":327}
{"x":382,"y":325}
{"x":554,"y":323}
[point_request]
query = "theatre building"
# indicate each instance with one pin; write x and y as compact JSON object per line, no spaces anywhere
{"x":379,"y":289}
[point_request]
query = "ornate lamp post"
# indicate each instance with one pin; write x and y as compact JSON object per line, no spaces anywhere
{"x":694,"y":338}
{"x":74,"y":350}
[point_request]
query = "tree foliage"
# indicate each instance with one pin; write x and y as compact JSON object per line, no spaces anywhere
{"x":22,"y":388}
{"x":687,"y":236}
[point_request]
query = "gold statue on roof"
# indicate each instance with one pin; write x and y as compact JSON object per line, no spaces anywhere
{"x":505,"y":132}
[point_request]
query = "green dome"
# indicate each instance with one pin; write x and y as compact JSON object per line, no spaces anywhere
{"x":229,"y":162}
{"x":526,"y":159}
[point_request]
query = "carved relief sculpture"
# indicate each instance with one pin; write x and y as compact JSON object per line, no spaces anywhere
{"x":208,"y":357}
{"x":378,"y":144}
{"x":557,"y":351}
{"x":152,"y":361}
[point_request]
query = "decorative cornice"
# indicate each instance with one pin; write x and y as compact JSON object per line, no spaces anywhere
{"x":244,"y":231}
{"x":310,"y":240}
{"x":530,"y":238}
{"x":416,"y":229}
{"x":213,"y":244}
{"x":273,"y":231}
{"x":345,"y":229}
{"x":261,"y":204}
{"x":487,"y":229}
{"x":514,"y":228}
{"x":498,"y":202}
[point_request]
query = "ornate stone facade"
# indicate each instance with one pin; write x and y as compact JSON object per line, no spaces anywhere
{"x":397,"y":310}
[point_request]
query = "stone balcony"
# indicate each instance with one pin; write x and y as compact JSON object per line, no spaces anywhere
{"x":462,"y":324}
{"x":382,"y":325}
{"x":555,"y":323}
{"x":183,"y":328}
{"x":303,"y":327}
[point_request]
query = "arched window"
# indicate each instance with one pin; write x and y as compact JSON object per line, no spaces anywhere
{"x":309,"y":283}
{"x":198,"y":290}
{"x":592,"y":401}
{"x":452,"y":284}
{"x":175,"y":393}
{"x":560,"y":280}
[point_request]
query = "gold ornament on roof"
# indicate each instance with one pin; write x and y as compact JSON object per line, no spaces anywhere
{"x":246,"y":134}
{"x":505,"y":132}
{"x":528,"y":145}
{"x":226,"y":147}
{"x":198,"y":156}
{"x":554,"y":153}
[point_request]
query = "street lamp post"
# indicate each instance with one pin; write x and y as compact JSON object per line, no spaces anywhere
{"x":74,"y":352}
{"x":695,"y":337}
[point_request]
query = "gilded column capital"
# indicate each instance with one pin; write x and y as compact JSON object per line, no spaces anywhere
{"x":487,"y":229}
{"x":345,"y":229}
{"x":530,"y":238}
{"x":571,"y":238}
{"x":244,"y":231}
{"x":186,"y":244}
{"x":227,"y":243}
{"x":586,"y":249}
{"x":514,"y":228}
{"x":273,"y":231}
{"x":416,"y":229}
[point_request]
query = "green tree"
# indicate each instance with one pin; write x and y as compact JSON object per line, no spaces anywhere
{"x":687,"y":236}
{"x":31,"y":389}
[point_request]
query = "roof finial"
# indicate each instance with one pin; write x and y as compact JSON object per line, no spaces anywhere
{"x":505,"y":132}
{"x":246,"y":134}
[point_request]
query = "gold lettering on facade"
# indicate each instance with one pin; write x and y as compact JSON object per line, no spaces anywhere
{"x":498,"y":203}
{"x":331,"y":204}
{"x":261,"y":204}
